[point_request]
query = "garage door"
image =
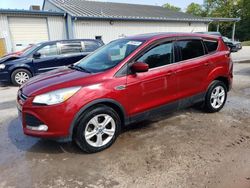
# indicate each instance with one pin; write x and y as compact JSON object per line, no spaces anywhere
{"x":26,"y":31}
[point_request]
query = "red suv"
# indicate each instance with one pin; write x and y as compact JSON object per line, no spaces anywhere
{"x":128,"y":80}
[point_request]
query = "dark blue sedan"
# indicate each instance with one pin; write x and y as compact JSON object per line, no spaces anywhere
{"x":44,"y":57}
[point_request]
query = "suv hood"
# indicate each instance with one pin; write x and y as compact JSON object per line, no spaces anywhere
{"x":53,"y":80}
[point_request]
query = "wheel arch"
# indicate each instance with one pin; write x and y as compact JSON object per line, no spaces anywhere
{"x":225,"y":80}
{"x":24,"y":67}
{"x":108,"y":102}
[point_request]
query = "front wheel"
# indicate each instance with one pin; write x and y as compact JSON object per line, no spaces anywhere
{"x":97,"y":129}
{"x":20,"y":76}
{"x":216,"y":96}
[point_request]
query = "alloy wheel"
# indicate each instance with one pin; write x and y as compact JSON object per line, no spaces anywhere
{"x":21,"y":77}
{"x":100,"y":130}
{"x":217,"y":97}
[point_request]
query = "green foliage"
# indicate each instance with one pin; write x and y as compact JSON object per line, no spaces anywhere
{"x":195,"y":9}
{"x":243,"y":27}
{"x":226,"y":9}
{"x":171,"y":7}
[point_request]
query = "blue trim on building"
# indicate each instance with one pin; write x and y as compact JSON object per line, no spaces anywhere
{"x":32,"y":12}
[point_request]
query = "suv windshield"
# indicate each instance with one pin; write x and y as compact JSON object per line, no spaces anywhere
{"x":109,"y":56}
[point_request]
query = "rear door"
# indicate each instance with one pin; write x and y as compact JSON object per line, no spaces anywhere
{"x":70,"y":52}
{"x":73,"y":51}
{"x":48,"y":59}
{"x":193,"y":67}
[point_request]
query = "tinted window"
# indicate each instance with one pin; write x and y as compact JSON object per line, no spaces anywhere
{"x":158,"y":56}
{"x":90,"y":46}
{"x":48,"y":50}
{"x":211,"y":45}
{"x":70,"y":48}
{"x":190,"y":49}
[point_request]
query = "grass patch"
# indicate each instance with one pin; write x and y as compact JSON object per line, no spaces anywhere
{"x":246,"y":43}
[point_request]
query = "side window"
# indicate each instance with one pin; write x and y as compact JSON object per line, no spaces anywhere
{"x":190,"y":49}
{"x":211,"y":45}
{"x":48,"y":50}
{"x":70,"y":47}
{"x":158,"y":56}
{"x":90,"y":46}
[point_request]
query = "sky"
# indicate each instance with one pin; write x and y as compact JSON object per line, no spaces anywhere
{"x":24,"y":4}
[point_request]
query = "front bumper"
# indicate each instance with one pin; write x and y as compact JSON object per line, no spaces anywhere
{"x":57,"y":118}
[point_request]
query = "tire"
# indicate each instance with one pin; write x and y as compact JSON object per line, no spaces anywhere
{"x":92,"y":135}
{"x":20,"y":76}
{"x":216,"y":97}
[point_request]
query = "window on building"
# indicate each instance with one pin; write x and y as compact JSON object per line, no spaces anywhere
{"x":158,"y":56}
{"x":190,"y":49}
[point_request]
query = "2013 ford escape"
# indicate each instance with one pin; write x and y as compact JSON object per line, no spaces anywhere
{"x":128,"y":80}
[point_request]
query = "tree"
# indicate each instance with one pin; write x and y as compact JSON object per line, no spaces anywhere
{"x":243,"y":27}
{"x":171,"y":7}
{"x":195,"y":9}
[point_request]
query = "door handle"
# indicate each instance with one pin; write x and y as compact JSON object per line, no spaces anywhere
{"x":208,"y":63}
{"x":170,"y":73}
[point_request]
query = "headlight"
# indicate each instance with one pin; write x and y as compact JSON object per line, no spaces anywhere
{"x":56,"y":97}
{"x":2,"y":66}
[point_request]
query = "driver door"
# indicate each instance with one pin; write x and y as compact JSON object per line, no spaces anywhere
{"x":159,"y":85}
{"x":47,"y":59}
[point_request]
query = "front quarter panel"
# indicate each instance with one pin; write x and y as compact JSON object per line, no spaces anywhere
{"x":22,"y":63}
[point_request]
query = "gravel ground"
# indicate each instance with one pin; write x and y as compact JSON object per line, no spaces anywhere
{"x":188,"y":148}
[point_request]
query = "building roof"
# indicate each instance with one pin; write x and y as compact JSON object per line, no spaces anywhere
{"x":121,"y":11}
{"x":30,"y":12}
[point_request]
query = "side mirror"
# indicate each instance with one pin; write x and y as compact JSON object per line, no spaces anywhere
{"x":36,"y":55}
{"x":139,"y":67}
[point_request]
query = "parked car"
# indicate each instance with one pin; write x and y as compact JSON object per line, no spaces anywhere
{"x":44,"y":57}
{"x":235,"y":46}
{"x":128,"y":80}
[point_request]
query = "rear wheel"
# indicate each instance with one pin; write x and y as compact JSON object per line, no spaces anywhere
{"x":20,"y":76}
{"x":97,"y":129}
{"x":216,"y":96}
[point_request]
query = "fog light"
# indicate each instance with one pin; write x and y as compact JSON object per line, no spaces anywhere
{"x":39,"y":128}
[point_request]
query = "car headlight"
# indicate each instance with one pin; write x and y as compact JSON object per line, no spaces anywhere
{"x":2,"y":66}
{"x":56,"y":97}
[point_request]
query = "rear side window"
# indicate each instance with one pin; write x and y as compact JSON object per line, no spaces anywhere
{"x":90,"y":46}
{"x":190,"y":49}
{"x":70,"y":47}
{"x":211,"y":45}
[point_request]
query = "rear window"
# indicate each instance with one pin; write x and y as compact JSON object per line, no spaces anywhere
{"x":211,"y":45}
{"x":70,"y":47}
{"x":90,"y":46}
{"x":190,"y":49}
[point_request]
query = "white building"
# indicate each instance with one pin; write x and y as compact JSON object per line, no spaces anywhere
{"x":66,"y":19}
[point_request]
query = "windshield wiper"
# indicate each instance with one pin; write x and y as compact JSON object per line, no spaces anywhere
{"x":79,"y":68}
